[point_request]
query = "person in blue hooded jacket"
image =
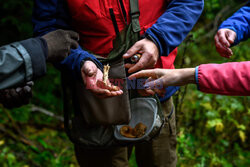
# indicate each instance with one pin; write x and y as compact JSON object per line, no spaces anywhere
{"x":233,"y":30}
{"x":164,"y":36}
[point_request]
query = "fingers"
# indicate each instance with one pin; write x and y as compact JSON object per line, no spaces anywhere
{"x":133,"y":50}
{"x":30,"y":83}
{"x":73,"y":35}
{"x":95,"y":84}
{"x":141,"y":64}
{"x":103,"y":91}
{"x":222,"y":50}
{"x":108,"y":86}
{"x":155,"y":84}
{"x":129,"y":65}
{"x":149,"y":55}
{"x":144,"y":73}
{"x":106,"y":93}
{"x":160,"y":92}
{"x":12,"y":98}
{"x":116,"y":93}
{"x":146,"y":61}
{"x":150,"y":92}
{"x":73,"y":44}
{"x":25,"y":94}
{"x":146,"y":92}
{"x":222,"y":38}
{"x":151,"y":86}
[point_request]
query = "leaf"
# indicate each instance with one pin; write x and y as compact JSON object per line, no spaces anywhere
{"x":242,"y":136}
{"x":11,"y":158}
{"x":241,"y":127}
{"x":207,"y":106}
{"x":44,"y":144}
{"x":219,"y":127}
{"x":213,"y":123}
{"x":2,"y":142}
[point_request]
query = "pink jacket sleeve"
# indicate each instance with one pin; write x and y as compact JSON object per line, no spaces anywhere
{"x":225,"y":79}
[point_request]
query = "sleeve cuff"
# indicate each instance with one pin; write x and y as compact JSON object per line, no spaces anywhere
{"x":197,"y":77}
{"x":75,"y":61}
{"x":38,"y":51}
{"x":149,"y":35}
{"x":44,"y":46}
{"x":97,"y":63}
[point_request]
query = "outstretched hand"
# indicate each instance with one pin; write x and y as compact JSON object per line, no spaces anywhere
{"x":161,"y":78}
{"x":93,"y":80}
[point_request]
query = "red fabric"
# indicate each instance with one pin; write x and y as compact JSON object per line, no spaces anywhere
{"x":225,"y":79}
{"x":167,"y":62}
{"x":91,"y":19}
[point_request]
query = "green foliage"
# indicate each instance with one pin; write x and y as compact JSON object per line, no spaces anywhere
{"x":212,"y":130}
{"x":15,"y":20}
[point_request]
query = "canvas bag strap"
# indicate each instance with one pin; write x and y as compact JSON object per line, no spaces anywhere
{"x":135,"y":14}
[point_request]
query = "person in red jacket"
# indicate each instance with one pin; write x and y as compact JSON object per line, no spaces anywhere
{"x":225,"y":79}
{"x":161,"y":26}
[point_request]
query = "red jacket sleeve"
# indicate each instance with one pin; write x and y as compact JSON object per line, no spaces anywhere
{"x":225,"y":79}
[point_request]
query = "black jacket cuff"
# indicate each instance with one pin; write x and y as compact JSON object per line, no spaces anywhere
{"x":38,"y":51}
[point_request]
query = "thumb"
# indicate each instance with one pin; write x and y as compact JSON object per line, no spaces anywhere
{"x":133,"y":50}
{"x":89,"y":68}
{"x":231,"y":35}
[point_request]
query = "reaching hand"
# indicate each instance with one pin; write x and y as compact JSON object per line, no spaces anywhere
{"x":150,"y":55}
{"x":59,"y":44}
{"x":92,"y":78}
{"x":223,"y":40}
{"x":161,"y":78}
{"x":12,"y":98}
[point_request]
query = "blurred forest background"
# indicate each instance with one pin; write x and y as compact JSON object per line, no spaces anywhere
{"x":213,"y":131}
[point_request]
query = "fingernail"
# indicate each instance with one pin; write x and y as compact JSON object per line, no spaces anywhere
{"x":131,"y":78}
{"x":146,"y":86}
{"x":18,"y":89}
{"x":27,"y":88}
{"x":126,"y":55}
